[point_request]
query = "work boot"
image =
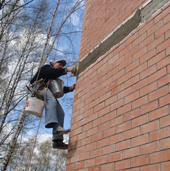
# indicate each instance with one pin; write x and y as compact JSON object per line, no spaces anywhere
{"x":60,"y":145}
{"x":60,"y":131}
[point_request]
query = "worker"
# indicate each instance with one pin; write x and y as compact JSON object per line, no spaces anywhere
{"x":54,"y":114}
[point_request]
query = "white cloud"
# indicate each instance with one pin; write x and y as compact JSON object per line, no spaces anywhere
{"x":75,"y":19}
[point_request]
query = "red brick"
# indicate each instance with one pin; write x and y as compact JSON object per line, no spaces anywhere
{"x":140,"y":102}
{"x":165,"y":121}
{"x":105,"y":96}
{"x":147,"y":41}
{"x":132,"y":66}
{"x":104,"y":111}
{"x":149,"y":168}
{"x":132,"y":114}
{"x":97,"y":121}
{"x":167,"y":35}
{"x":107,"y":167}
{"x":74,"y":159}
{"x":149,"y":107}
{"x":93,"y":117}
{"x":124,"y":164}
{"x":98,"y":107}
{"x":162,"y":133}
{"x":96,"y":137}
{"x":162,"y":30}
{"x":124,"y":63}
{"x":117,"y":104}
{"x":140,"y":161}
{"x":90,"y":147}
{"x":124,"y":93}
{"x":150,"y":148}
{"x":139,"y":39}
{"x":111,"y":100}
{"x":110,"y":116}
{"x":111,"y":86}
{"x":123,"y":109}
{"x":165,"y":143}
{"x":131,"y":97}
{"x":155,"y":27}
{"x":123,"y":145}
{"x":123,"y":127}
{"x":159,"y":113}
{"x":155,"y":43}
{"x":108,"y":149}
{"x":165,"y":166}
{"x":95,"y":153}
{"x":69,"y":167}
{"x":80,"y":150}
{"x":124,"y":78}
{"x":101,"y":160}
{"x":131,"y":133}
{"x":163,"y":81}
{"x":92,"y":131}
{"x":148,"y":89}
{"x":139,"y":54}
{"x":87,"y":126}
{"x":139,"y":85}
{"x":160,"y":156}
{"x":102,"y":143}
{"x":79,"y":165}
{"x":89,"y":163}
{"x":132,"y":152}
{"x":140,"y":120}
{"x":151,"y":126}
{"x":116,"y":138}
{"x":148,"y":72}
{"x":157,"y":75}
{"x":158,"y":93}
{"x":116,"y":121}
{"x":131,"y":52}
{"x":139,"y":140}
{"x":96,"y":168}
{"x":84,"y":156}
{"x":164,"y":100}
{"x":109,"y":132}
{"x":163,"y":63}
{"x":132,"y":81}
{"x":115,"y":157}
{"x":86,"y":141}
{"x":139,"y":69}
{"x":103,"y":126}
{"x":147,"y":56}
{"x":118,"y":89}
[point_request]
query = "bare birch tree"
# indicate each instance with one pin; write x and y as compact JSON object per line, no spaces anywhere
{"x":30,"y":27}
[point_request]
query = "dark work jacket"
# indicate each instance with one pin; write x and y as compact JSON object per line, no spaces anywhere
{"x":47,"y":72}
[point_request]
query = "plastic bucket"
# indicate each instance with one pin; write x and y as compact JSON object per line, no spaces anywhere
{"x":34,"y":106}
{"x":56,"y":87}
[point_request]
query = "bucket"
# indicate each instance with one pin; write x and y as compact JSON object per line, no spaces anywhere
{"x":56,"y":87}
{"x":34,"y":106}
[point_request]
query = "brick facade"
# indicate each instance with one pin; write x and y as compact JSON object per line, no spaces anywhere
{"x":120,"y":117}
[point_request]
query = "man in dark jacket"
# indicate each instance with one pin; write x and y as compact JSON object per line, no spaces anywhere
{"x":54,"y":114}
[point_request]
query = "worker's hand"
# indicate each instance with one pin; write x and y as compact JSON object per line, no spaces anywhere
{"x":73,"y":86}
{"x":71,"y":69}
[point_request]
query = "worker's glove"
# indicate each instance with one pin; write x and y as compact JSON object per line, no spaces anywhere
{"x":72,"y":87}
{"x":71,"y":69}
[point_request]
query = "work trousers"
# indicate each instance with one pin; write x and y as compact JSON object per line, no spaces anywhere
{"x":54,"y":113}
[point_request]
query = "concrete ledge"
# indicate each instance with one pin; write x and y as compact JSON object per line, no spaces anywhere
{"x":121,"y":32}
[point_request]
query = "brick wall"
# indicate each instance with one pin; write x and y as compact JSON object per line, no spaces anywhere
{"x":101,"y":17}
{"x":120,"y":117}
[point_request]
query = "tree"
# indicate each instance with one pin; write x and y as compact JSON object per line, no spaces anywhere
{"x":22,"y":24}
